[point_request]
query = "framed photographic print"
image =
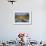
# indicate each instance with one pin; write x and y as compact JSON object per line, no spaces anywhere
{"x":23,"y":17}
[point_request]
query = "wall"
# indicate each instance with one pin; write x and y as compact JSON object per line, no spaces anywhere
{"x":9,"y":31}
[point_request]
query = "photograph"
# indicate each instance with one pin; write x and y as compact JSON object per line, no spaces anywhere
{"x":23,"y":18}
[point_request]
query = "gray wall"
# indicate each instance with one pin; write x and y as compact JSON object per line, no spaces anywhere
{"x":37,"y":30}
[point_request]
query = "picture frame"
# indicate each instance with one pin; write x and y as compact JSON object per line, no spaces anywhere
{"x":23,"y":17}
